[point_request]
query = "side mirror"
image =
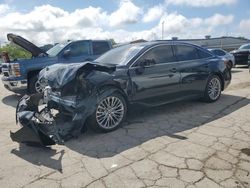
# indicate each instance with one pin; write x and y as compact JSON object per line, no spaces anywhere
{"x":66,"y":53}
{"x":144,"y":64}
{"x":147,"y":63}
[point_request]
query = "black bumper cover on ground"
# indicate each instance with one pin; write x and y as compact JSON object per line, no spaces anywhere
{"x":34,"y":129}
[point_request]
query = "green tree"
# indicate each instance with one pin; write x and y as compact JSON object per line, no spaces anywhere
{"x":113,"y":41}
{"x":15,"y":51}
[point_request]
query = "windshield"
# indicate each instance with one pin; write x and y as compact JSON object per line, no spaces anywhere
{"x":52,"y":52}
{"x":246,"y":46}
{"x":120,"y":55}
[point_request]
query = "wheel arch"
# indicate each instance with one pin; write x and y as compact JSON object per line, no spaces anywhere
{"x":32,"y":73}
{"x":115,"y":86}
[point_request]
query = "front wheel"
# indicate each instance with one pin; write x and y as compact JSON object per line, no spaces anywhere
{"x":36,"y":86}
{"x":213,"y":89}
{"x":109,"y":114}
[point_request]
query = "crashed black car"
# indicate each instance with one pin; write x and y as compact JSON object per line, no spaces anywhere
{"x":98,"y":93}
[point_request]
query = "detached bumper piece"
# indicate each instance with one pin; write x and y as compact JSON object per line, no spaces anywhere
{"x":37,"y":127}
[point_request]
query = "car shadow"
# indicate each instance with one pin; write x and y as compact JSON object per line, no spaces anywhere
{"x":12,"y":100}
{"x":142,"y":125}
{"x":41,"y":156}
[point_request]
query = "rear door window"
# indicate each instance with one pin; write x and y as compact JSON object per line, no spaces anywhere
{"x":186,"y":53}
{"x":100,"y":47}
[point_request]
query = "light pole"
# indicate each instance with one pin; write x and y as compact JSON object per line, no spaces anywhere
{"x":162,"y":30}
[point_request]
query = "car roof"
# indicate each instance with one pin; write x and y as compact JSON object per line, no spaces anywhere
{"x":159,"y":42}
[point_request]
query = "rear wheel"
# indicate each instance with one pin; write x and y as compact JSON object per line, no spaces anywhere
{"x":230,"y":65}
{"x":213,"y":89}
{"x":109,"y":114}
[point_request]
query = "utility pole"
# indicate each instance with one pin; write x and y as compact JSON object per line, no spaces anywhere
{"x":162,"y":30}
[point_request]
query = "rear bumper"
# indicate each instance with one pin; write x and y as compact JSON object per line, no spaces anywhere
{"x":241,"y":59}
{"x":15,"y":85}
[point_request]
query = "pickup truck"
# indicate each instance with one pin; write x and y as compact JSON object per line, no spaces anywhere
{"x":20,"y":75}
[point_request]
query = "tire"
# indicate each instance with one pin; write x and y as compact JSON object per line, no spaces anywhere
{"x":213,"y":89}
{"x":97,"y":120}
{"x":230,"y":65}
{"x":34,"y":86}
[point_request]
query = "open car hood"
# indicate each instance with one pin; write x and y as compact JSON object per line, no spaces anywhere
{"x":27,"y":45}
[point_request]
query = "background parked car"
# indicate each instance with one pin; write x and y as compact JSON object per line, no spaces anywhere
{"x":225,"y":56}
{"x":97,"y":93}
{"x":22,"y":74}
{"x":242,"y":55}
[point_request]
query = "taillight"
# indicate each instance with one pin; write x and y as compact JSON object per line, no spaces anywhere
{"x":15,"y":69}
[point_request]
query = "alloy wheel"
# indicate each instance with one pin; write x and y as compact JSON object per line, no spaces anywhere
{"x":214,"y":88}
{"x":39,"y":86}
{"x":110,"y":112}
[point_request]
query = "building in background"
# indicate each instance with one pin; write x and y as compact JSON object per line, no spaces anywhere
{"x":226,"y":43}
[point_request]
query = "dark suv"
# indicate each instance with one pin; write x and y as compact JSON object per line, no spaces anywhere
{"x":21,"y":74}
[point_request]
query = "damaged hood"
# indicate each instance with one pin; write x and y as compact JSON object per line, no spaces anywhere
{"x":59,"y":75}
{"x":27,"y":45}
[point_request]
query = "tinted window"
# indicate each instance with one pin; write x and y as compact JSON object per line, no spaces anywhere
{"x":185,"y":53}
{"x":203,"y":54}
{"x":100,"y":47}
{"x":79,"y":48}
{"x":161,"y":54}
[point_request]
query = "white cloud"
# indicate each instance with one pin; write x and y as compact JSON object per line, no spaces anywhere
{"x":48,"y":24}
{"x":4,"y":8}
{"x":219,"y":19}
{"x":244,"y":28}
{"x":201,"y":3}
{"x":154,"y":13}
{"x":127,"y":13}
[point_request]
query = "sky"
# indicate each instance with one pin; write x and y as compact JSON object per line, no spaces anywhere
{"x":50,"y":21}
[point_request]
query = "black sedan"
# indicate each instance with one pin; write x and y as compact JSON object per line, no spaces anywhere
{"x":97,"y":94}
{"x":242,"y":55}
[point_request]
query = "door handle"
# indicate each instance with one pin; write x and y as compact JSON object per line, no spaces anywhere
{"x":174,"y":70}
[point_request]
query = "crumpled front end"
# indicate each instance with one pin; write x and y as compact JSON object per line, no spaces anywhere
{"x":39,"y":125}
{"x":59,"y":113}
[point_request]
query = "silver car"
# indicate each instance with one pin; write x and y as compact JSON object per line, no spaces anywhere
{"x":225,"y":55}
